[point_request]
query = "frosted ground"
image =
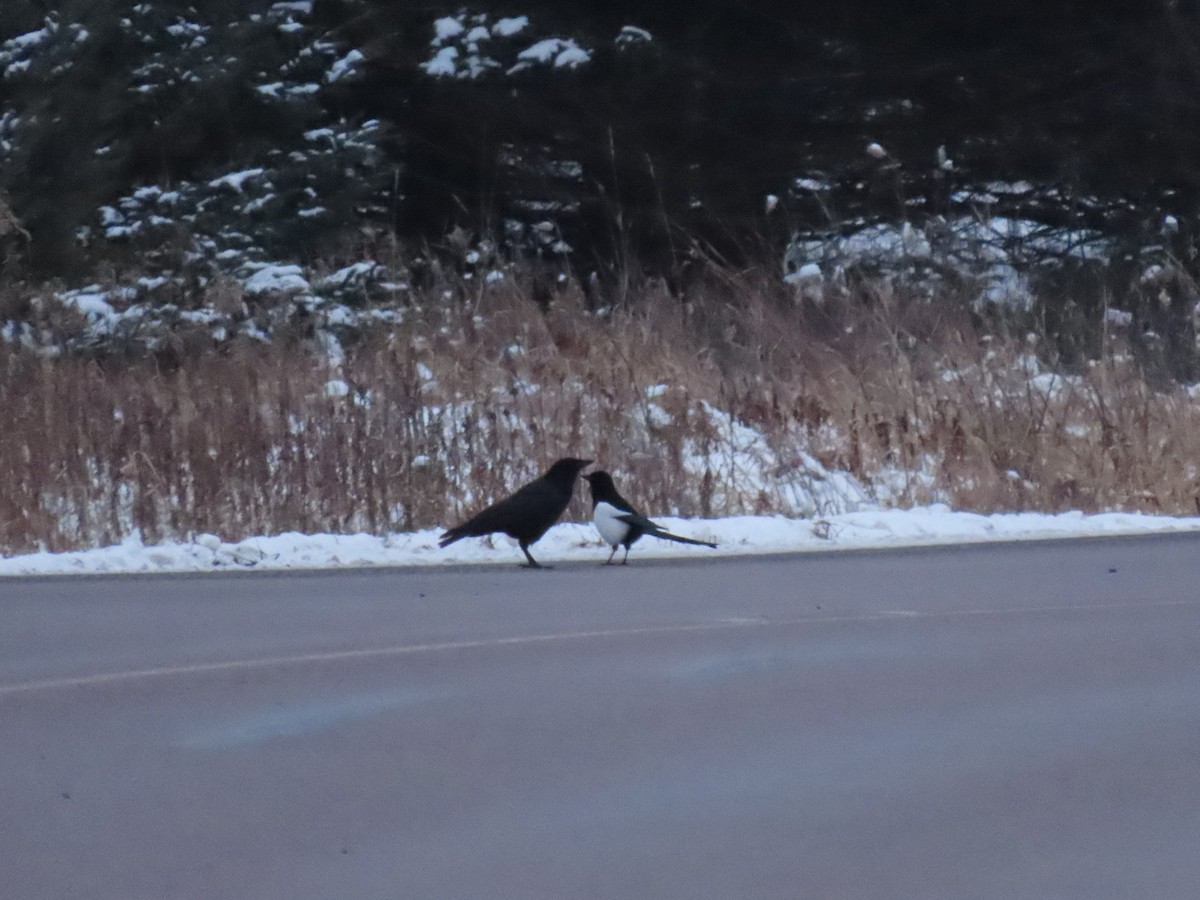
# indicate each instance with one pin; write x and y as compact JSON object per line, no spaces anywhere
{"x":574,"y":542}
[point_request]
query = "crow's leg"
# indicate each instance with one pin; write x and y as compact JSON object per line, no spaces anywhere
{"x":533,"y":563}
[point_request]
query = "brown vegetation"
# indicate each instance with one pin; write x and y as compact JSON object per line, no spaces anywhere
{"x":467,"y":396}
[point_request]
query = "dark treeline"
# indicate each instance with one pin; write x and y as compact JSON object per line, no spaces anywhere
{"x":651,"y":149}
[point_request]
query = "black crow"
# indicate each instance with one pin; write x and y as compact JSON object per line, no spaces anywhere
{"x":619,"y":523}
{"x":527,"y":514}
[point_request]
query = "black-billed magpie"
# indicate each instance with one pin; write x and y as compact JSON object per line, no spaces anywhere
{"x":527,"y":514}
{"x":619,"y":523}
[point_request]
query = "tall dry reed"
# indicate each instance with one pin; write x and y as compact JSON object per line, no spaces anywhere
{"x":466,"y":397}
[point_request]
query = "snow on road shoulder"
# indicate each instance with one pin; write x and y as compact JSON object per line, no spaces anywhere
{"x":574,"y":542}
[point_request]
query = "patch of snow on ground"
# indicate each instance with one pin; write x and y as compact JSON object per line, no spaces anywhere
{"x":447,"y":28}
{"x":276,"y":278}
{"x":442,"y":64}
{"x":92,"y":304}
{"x":236,"y":180}
{"x":345,"y":66}
{"x":1118,"y":318}
{"x":631,"y":34}
{"x":994,"y":254}
{"x":577,"y":542}
{"x":510,"y":25}
{"x":557,"y":50}
{"x":298,"y":7}
{"x":571,"y":58}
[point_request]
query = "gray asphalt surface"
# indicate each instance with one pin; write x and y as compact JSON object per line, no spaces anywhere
{"x":1013,"y":721}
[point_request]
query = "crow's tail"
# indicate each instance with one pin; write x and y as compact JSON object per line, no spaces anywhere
{"x":450,"y":536}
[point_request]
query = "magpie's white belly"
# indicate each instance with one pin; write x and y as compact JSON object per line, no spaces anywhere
{"x":611,"y":528}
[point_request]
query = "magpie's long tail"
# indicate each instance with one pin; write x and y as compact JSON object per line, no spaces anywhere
{"x":667,"y":536}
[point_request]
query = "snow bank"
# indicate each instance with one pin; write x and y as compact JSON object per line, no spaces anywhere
{"x":574,"y":542}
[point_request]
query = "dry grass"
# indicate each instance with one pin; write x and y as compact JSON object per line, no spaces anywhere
{"x":472,"y":395}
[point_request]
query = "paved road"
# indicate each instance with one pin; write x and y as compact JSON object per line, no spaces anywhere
{"x":1018,"y":721}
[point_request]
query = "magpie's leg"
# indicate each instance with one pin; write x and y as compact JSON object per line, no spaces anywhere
{"x":611,"y":555}
{"x":625,"y":561}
